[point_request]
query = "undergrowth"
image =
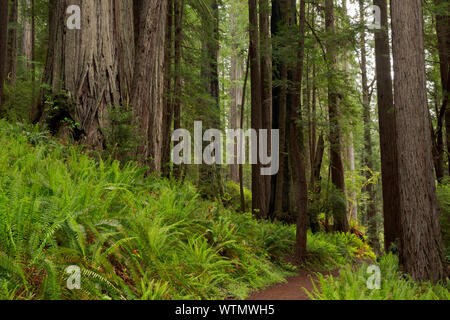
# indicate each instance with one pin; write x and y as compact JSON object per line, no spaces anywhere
{"x":132,"y":237}
{"x":395,"y":285}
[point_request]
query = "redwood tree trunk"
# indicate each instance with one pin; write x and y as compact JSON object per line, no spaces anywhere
{"x":421,"y":245}
{"x":3,"y":45}
{"x":297,"y":152}
{"x":337,"y":166}
{"x":258,"y":199}
{"x":148,"y":81}
{"x":388,"y":136}
{"x":92,"y":65}
{"x":12,"y":43}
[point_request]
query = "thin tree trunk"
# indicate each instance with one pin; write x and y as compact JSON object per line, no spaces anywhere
{"x":3,"y":45}
{"x":241,"y":166}
{"x":368,"y":153}
{"x":12,"y":43}
{"x":421,"y":244}
{"x":388,"y":132}
{"x":178,"y":11}
{"x":336,"y":163}
{"x":258,"y":188}
{"x":266,"y":86}
{"x":168,"y":93}
{"x":26,"y":44}
{"x":297,"y":149}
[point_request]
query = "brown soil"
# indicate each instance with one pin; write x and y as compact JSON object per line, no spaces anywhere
{"x":293,"y":289}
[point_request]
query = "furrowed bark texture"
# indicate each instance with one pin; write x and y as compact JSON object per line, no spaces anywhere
{"x":421,"y":245}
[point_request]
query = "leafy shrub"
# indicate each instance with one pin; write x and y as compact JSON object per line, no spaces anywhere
{"x":443,"y":193}
{"x":232,"y":196}
{"x":352,"y":285}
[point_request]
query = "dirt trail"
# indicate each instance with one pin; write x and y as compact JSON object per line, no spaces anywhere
{"x":292,"y":290}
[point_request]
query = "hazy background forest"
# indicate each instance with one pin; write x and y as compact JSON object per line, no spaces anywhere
{"x":92,"y":91}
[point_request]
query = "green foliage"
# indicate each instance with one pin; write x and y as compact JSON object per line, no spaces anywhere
{"x":443,"y":193}
{"x":232,"y":196}
{"x":132,"y":237}
{"x":121,"y":134}
{"x":328,"y":251}
{"x":352,"y":285}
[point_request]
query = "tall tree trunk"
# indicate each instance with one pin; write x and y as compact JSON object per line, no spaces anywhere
{"x":266,"y":86}
{"x":148,"y":81}
{"x":421,"y":245}
{"x":236,"y":73}
{"x":178,"y":11}
{"x":388,"y":135}
{"x":353,"y":201}
{"x":337,"y":166}
{"x":297,"y":148}
{"x":368,"y":153}
{"x":168,"y":92}
{"x":3,"y":45}
{"x":86,"y":65}
{"x":258,"y":188}
{"x":26,"y":43}
{"x":12,"y":42}
{"x":443,"y":35}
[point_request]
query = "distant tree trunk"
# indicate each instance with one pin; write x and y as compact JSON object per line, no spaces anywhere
{"x":266,"y":86}
{"x":277,"y":180}
{"x":178,"y":11}
{"x":353,"y":211}
{"x":3,"y":45}
{"x":336,"y":163}
{"x":236,"y":73}
{"x":12,"y":43}
{"x":421,"y":245}
{"x":26,"y":43}
{"x":296,"y":154}
{"x":86,"y":65}
{"x":258,"y":188}
{"x":443,"y":35}
{"x":368,"y":153}
{"x":148,"y":81}
{"x":388,"y":132}
{"x":168,"y":92}
{"x":241,"y":166}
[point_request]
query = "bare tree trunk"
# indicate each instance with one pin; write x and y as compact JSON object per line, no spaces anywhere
{"x":352,"y":195}
{"x":26,"y":44}
{"x":178,"y":11}
{"x":337,"y":166}
{"x":388,"y":132}
{"x":241,"y":166}
{"x":266,"y":86}
{"x":443,"y":35}
{"x":368,"y":153}
{"x":297,"y":149}
{"x":3,"y":45}
{"x":12,"y":43}
{"x":236,"y":73}
{"x":421,"y":244}
{"x":168,"y":93}
{"x":148,"y":81}
{"x":258,"y":188}
{"x":86,"y":65}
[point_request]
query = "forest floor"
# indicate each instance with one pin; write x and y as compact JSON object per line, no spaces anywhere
{"x":293,"y":288}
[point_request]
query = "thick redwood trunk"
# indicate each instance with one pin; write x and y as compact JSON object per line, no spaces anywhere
{"x":92,"y":65}
{"x":421,"y":245}
{"x":148,"y":81}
